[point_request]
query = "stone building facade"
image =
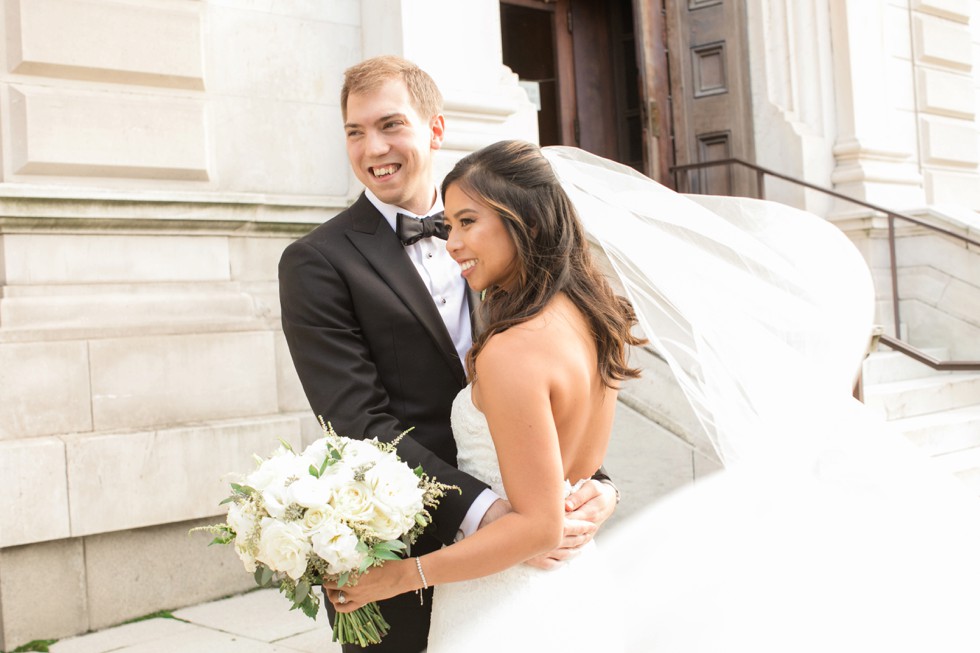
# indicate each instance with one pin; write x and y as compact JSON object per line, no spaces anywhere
{"x":157,"y":155}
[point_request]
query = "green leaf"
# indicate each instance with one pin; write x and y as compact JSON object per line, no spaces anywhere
{"x":310,"y":607}
{"x":263,"y":575}
{"x":302,"y":593}
{"x":365,"y":564}
{"x":387,"y":555}
{"x":419,"y":471}
{"x":390,"y":545}
{"x":243,"y":490}
{"x":288,"y":447}
{"x":343,"y":578}
{"x":224,"y":538}
{"x":314,"y":472}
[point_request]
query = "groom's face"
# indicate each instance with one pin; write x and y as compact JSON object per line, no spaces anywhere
{"x":391,"y":146}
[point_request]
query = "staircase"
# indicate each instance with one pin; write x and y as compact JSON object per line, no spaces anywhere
{"x":938,"y":411}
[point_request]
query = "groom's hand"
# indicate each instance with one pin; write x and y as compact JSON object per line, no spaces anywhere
{"x":585,"y":510}
{"x":497,"y":509}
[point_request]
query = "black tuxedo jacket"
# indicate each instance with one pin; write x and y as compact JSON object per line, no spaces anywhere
{"x":371,"y":350}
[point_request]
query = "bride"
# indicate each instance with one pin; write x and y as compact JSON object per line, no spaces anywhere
{"x":537,"y":414}
{"x":825,"y":531}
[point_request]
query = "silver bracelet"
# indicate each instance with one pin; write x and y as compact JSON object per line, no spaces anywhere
{"x":425,"y":584}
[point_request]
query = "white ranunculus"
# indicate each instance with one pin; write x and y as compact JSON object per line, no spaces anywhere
{"x":358,"y":453}
{"x":276,"y":499}
{"x":275,"y":469}
{"x":353,"y":502}
{"x":336,"y":544}
{"x":283,"y":547}
{"x":310,"y":491}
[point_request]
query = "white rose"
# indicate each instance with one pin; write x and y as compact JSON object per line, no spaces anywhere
{"x":353,"y":502}
{"x":397,"y":497}
{"x":314,"y":518}
{"x":283,"y":547}
{"x":336,"y":544}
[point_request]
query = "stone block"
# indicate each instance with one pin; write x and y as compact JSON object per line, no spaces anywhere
{"x":107,"y":134}
{"x":254,"y":258}
{"x":958,"y":10}
{"x":341,"y":12}
{"x":102,"y":41}
{"x":941,"y":42}
{"x":946,"y":93}
{"x":123,"y":308}
{"x":956,"y":188}
{"x":42,"y":592}
{"x":128,"y":480}
{"x":260,"y":54}
{"x":33,"y":491}
{"x":165,"y":380}
{"x":133,"y":573}
{"x":44,"y":388}
{"x":948,"y":141}
{"x":35,"y":258}
{"x":292,"y":398}
{"x":302,"y":144}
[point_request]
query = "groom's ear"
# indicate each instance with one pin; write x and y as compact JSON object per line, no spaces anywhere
{"x":437,"y":131}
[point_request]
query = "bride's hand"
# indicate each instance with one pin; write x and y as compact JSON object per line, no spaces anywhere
{"x":585,"y":510}
{"x":378,"y":583}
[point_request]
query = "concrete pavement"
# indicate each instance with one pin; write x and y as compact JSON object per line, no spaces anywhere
{"x":255,"y":622}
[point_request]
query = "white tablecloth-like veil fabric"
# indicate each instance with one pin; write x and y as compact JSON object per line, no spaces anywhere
{"x":826,"y":531}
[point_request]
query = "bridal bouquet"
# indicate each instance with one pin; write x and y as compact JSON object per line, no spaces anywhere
{"x":328,"y":514}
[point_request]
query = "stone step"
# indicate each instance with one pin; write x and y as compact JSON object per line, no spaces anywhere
{"x":964,"y":465}
{"x":943,"y":432}
{"x":901,"y":399}
{"x":887,"y":366}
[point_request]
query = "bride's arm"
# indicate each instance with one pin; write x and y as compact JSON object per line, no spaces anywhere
{"x":513,"y":391}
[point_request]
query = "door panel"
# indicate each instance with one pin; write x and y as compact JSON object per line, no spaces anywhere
{"x":710,"y":93}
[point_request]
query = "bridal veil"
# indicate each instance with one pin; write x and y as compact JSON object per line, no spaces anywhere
{"x":826,"y":531}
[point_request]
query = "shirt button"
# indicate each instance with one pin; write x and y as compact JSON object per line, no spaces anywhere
{"x":429,"y":255}
{"x":443,"y":299}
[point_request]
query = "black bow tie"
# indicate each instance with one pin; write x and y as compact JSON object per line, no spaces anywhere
{"x":411,"y":230}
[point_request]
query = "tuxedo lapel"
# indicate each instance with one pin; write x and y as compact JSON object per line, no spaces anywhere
{"x":375,"y":240}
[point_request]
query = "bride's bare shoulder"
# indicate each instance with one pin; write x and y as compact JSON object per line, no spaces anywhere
{"x":541,"y":341}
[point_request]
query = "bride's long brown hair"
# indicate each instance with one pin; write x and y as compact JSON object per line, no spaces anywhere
{"x":515,"y":180}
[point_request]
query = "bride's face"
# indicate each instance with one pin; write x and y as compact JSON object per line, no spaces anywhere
{"x":479,"y":241}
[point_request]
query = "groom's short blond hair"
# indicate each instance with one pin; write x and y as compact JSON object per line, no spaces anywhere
{"x":372,"y":73}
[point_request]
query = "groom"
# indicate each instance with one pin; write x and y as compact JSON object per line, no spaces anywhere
{"x":378,"y":319}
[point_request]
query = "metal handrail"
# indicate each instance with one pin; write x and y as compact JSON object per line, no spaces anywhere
{"x":892,"y":342}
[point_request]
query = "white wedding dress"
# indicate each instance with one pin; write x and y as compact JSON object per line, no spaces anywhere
{"x":521,"y":608}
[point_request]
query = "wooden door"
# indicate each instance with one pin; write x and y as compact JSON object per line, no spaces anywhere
{"x":710,"y":94}
{"x":582,"y":56}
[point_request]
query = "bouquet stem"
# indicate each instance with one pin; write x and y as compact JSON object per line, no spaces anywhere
{"x":364,"y":626}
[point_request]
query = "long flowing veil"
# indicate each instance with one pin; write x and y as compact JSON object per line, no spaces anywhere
{"x":826,"y":531}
